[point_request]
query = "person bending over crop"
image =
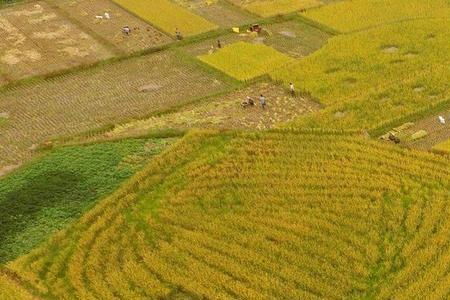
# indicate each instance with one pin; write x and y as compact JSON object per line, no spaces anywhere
{"x":126,"y":30}
{"x":248,"y":102}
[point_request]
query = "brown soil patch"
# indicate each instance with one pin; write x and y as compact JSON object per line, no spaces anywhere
{"x":8,"y":169}
{"x":437,"y":133}
{"x":95,"y":97}
{"x":85,"y":12}
{"x":37,"y":40}
{"x":227,"y":112}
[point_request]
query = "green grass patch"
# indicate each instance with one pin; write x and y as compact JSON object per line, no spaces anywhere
{"x":50,"y":192}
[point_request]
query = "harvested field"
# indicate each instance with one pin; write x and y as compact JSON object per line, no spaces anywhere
{"x":37,"y":40}
{"x":219,"y":12}
{"x":226,"y":112}
{"x":292,"y":37}
{"x":91,"y":13}
{"x":295,"y":38}
{"x":437,"y":132}
{"x":168,"y":16}
{"x":95,"y":97}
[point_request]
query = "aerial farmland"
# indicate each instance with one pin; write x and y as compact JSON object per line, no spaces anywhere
{"x":224,"y":149}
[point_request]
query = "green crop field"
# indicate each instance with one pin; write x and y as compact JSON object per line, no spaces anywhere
{"x":135,"y":164}
{"x":51,"y":192}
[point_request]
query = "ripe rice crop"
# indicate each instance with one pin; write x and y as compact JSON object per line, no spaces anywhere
{"x":376,"y":78}
{"x":281,"y":214}
{"x":245,"y":61}
{"x":168,"y":16}
{"x":443,"y":147}
{"x":358,"y":14}
{"x":267,"y":8}
{"x":10,"y":289}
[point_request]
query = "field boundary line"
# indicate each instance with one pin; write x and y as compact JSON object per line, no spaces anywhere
{"x":322,"y":27}
{"x":13,"y":276}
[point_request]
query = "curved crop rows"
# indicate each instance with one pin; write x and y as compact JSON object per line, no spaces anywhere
{"x":277,"y":215}
{"x":10,"y":289}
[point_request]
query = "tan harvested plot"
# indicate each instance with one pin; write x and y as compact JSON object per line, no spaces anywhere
{"x":219,"y":12}
{"x":293,"y":38}
{"x":168,"y":16}
{"x":96,"y":97}
{"x":226,"y":112}
{"x":36,"y":40}
{"x":246,"y":61}
{"x":88,"y":13}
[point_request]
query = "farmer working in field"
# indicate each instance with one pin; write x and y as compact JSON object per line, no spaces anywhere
{"x":178,"y":35}
{"x":248,"y":102}
{"x":292,"y":89}
{"x":262,"y":101}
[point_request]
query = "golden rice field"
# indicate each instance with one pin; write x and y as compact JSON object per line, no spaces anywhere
{"x":443,"y":147}
{"x":354,"y":15}
{"x":168,"y":16}
{"x":299,"y":200}
{"x":371,"y":79}
{"x":246,"y":61}
{"x":10,"y":289}
{"x":275,"y":215}
{"x":267,"y":8}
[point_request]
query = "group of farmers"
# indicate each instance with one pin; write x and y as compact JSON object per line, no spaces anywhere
{"x":262,"y":99}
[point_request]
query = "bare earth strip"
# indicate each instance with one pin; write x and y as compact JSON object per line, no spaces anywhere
{"x":95,"y":97}
{"x":91,"y":13}
{"x":36,"y":40}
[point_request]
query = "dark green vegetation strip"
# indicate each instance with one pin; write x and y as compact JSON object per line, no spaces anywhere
{"x":48,"y":193}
